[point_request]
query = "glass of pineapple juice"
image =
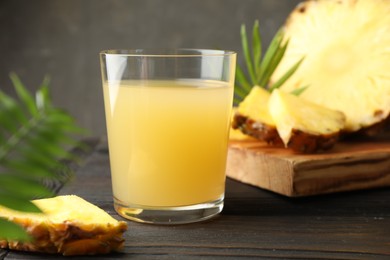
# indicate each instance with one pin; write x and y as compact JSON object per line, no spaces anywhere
{"x":168,"y":119}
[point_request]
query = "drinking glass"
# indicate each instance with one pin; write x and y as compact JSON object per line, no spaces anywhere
{"x":168,"y":119}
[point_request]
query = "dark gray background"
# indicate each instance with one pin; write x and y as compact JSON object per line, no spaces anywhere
{"x":62,"y":38}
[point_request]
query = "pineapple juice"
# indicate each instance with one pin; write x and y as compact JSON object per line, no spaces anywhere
{"x":168,"y":140}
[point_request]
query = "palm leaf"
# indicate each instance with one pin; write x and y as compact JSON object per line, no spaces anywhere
{"x":11,"y":231}
{"x":20,"y":203}
{"x":25,"y":186}
{"x":34,"y":136}
{"x":24,"y":95}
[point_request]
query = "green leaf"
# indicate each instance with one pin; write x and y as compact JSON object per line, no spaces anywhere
{"x":287,"y":75}
{"x":16,"y":203}
{"x":239,"y":92}
{"x":260,"y":67}
{"x":12,"y":232}
{"x":23,"y":94}
{"x":299,"y":91}
{"x":22,"y":187}
{"x":247,"y":55}
{"x":34,"y":136}
{"x":42,"y":97}
{"x":256,"y":47}
{"x":241,"y":79}
{"x":275,"y":60}
{"x":33,"y":165}
{"x":11,"y":115}
{"x":45,"y":147}
{"x":2,"y":137}
{"x":268,"y":57}
{"x":236,"y":101}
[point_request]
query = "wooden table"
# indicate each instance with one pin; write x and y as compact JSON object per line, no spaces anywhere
{"x":254,"y":223}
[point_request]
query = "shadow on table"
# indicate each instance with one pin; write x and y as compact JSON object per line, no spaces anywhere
{"x":244,"y":199}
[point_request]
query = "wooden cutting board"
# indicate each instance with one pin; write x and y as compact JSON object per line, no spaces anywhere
{"x":348,"y":166}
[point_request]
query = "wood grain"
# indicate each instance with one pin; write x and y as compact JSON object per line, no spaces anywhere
{"x":349,"y":166}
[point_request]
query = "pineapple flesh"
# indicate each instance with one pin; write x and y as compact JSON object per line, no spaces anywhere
{"x":69,"y":226}
{"x":345,"y":45}
{"x":304,"y":126}
{"x":252,"y":117}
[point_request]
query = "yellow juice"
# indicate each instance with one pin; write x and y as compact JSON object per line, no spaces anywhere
{"x":168,"y":140}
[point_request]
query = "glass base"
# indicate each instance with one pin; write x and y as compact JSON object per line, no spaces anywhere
{"x":169,"y":215}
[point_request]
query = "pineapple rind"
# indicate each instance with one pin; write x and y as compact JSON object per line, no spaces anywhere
{"x":236,"y":134}
{"x":302,"y":125}
{"x":347,"y":56}
{"x":62,"y":231}
{"x":257,"y":129}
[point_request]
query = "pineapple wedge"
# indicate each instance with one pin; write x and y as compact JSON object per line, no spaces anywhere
{"x":347,"y":57}
{"x":253,"y":118}
{"x":70,"y":226}
{"x":304,"y":126}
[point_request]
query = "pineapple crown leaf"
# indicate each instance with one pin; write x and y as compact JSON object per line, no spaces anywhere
{"x":33,"y":140}
{"x":260,"y":68}
{"x":286,"y":76}
{"x":299,"y":91}
{"x":271,"y":58}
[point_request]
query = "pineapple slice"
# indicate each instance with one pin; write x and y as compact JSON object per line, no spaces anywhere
{"x":70,"y":226}
{"x":347,"y":57}
{"x":253,"y":118}
{"x":304,"y":126}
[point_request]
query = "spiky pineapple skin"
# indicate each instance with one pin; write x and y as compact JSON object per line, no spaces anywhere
{"x":257,"y":129}
{"x":302,"y":142}
{"x":345,"y":48}
{"x":68,"y":239}
{"x":235,"y":133}
{"x":69,"y":236}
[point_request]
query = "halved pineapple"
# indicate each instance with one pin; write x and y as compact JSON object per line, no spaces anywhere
{"x":253,"y":118}
{"x":70,"y":226}
{"x":345,"y":45}
{"x":304,"y":126}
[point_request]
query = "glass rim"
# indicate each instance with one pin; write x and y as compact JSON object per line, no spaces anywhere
{"x":167,"y":52}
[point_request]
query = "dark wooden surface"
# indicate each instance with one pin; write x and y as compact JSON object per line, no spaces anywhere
{"x":254,"y":224}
